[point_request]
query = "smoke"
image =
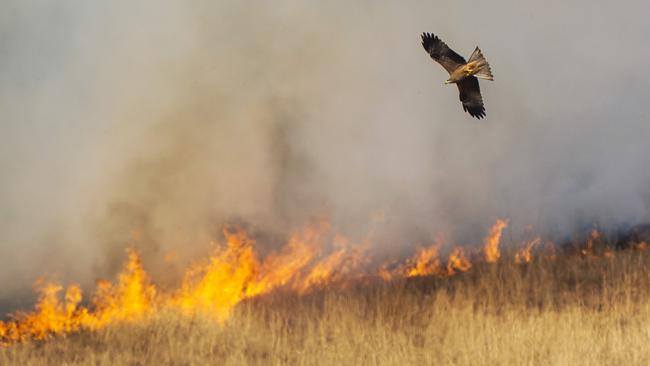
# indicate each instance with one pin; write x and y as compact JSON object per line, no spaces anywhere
{"x":151,"y":125}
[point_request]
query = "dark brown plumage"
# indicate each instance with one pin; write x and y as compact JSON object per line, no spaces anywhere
{"x":462,"y":73}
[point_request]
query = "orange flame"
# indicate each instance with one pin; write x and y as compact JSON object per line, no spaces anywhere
{"x":491,"y":243}
{"x":280,"y":268}
{"x":130,"y":299}
{"x":426,"y":262}
{"x":334,"y":267}
{"x":458,"y":262}
{"x":233,"y":273}
{"x":215,"y":287}
{"x":525,"y":254}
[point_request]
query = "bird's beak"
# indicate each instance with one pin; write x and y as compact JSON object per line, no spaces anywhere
{"x":447,"y":82}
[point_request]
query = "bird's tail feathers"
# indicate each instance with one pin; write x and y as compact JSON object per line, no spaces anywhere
{"x":482,"y":66}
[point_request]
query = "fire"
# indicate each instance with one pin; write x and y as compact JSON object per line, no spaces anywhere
{"x":458,"y":262}
{"x":214,"y":287}
{"x":130,"y":299}
{"x":334,"y":267}
{"x":280,"y":268}
{"x":427,"y":262}
{"x":491,"y":243}
{"x":50,"y":316}
{"x":525,"y":254}
{"x":234,"y":272}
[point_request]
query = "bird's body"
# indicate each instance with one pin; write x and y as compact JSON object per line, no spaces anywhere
{"x":462,"y":73}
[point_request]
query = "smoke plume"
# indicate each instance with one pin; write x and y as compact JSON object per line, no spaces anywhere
{"x":153,"y":124}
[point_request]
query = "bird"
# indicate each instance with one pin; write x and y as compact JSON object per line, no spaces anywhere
{"x":462,"y":73}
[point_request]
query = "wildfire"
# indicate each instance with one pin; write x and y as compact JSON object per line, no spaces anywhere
{"x":525,"y":254}
{"x":235,"y":272}
{"x":458,"y":262}
{"x":131,"y":298}
{"x":216,"y":286}
{"x":340,"y":264}
{"x":427,"y":262}
{"x":491,"y":246}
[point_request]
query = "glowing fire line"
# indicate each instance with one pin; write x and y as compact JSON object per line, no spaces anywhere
{"x":234,"y":273}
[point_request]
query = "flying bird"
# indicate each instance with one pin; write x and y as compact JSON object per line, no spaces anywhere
{"x":462,"y":73}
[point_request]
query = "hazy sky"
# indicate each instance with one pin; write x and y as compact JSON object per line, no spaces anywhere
{"x":152,"y":123}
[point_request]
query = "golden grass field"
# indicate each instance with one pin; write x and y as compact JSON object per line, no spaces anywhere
{"x":570,"y":310}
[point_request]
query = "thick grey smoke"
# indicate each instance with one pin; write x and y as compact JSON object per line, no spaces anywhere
{"x":151,"y":125}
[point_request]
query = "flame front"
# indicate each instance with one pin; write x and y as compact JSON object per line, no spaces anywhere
{"x":525,"y":254}
{"x":426,"y":262}
{"x":233,"y":273}
{"x":491,"y":246}
{"x":458,"y":262}
{"x":342,"y":263}
{"x":215,"y":287}
{"x":130,"y":299}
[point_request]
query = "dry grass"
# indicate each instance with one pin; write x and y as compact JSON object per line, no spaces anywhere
{"x":568,"y":311}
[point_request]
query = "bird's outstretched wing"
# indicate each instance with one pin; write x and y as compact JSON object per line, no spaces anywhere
{"x":441,"y":53}
{"x":470,"y":96}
